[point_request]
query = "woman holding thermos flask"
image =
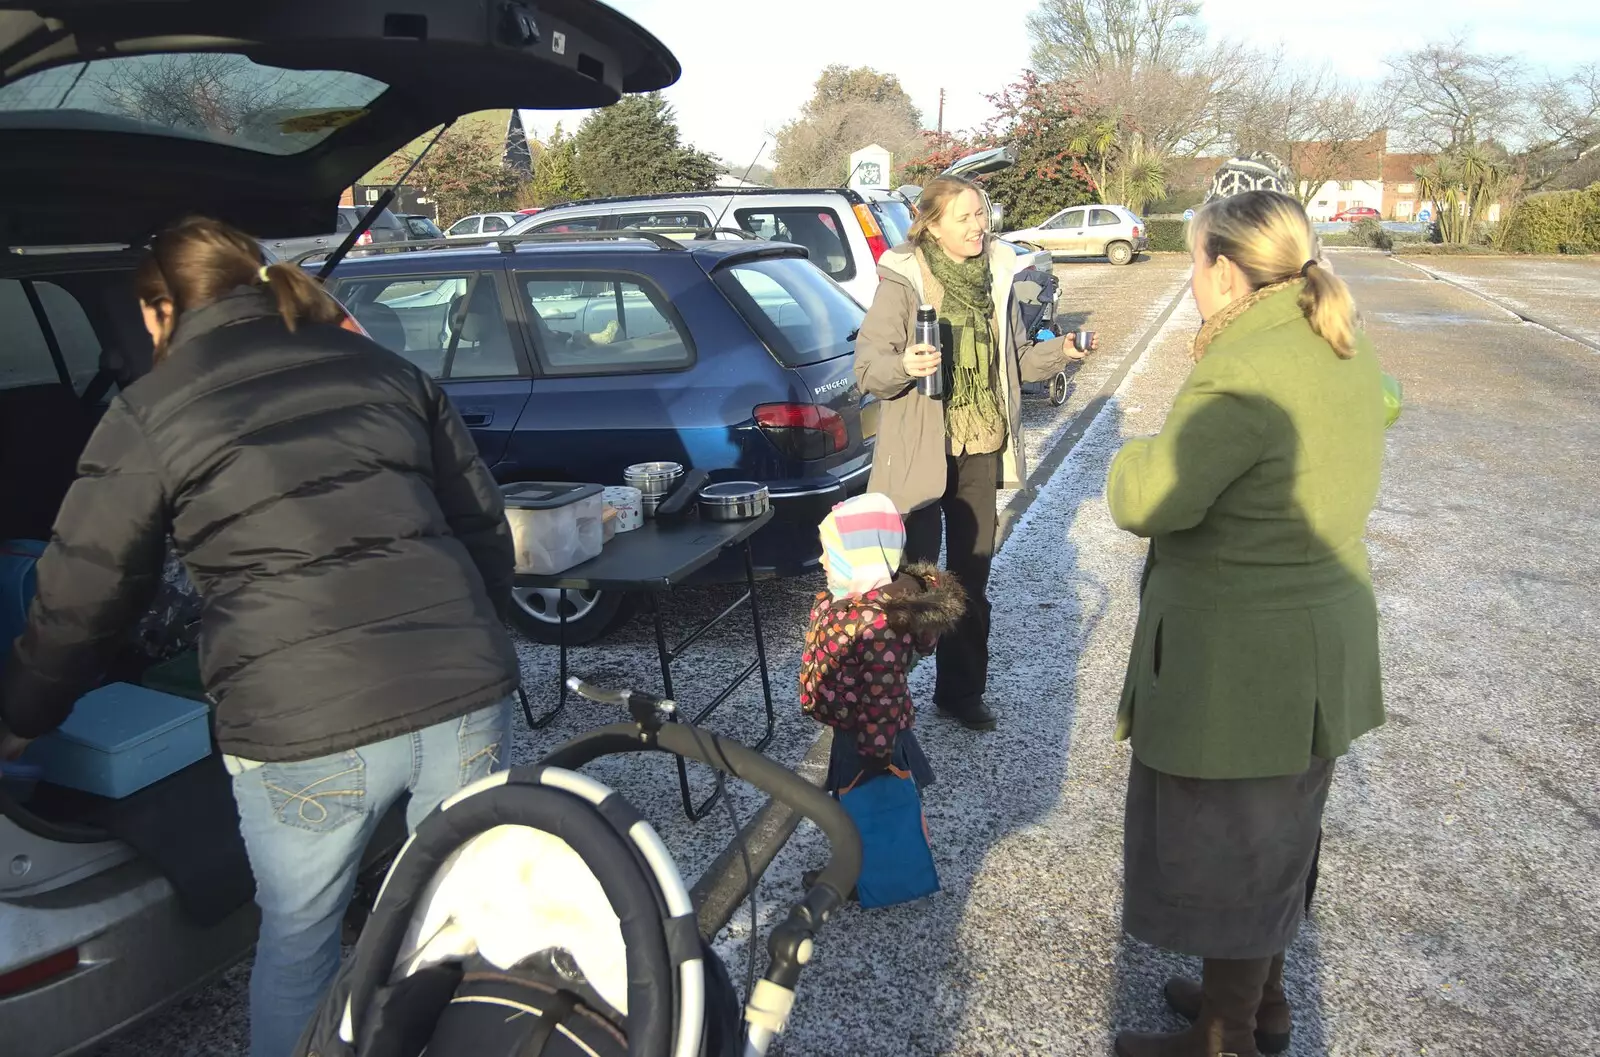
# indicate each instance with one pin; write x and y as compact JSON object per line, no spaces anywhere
{"x":950,"y":431}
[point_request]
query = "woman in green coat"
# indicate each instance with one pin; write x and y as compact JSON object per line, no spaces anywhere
{"x":1255,"y":662}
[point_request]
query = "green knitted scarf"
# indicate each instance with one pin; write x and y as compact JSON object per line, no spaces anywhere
{"x":973,"y":403}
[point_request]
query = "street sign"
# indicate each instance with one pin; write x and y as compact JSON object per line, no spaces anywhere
{"x":1188,"y":214}
{"x":1425,"y":216}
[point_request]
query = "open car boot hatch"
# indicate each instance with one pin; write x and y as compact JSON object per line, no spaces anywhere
{"x":119,"y":116}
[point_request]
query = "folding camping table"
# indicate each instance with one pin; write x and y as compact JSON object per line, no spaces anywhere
{"x":651,"y":561}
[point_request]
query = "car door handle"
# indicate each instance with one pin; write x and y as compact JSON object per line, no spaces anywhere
{"x":476,"y":419}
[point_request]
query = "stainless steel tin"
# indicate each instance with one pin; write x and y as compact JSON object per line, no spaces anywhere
{"x":653,"y":478}
{"x":733,"y":501}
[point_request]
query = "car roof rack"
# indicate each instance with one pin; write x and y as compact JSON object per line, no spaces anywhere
{"x":661,"y":238}
{"x":710,"y":192}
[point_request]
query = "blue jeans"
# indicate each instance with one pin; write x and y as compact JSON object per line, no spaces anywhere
{"x":306,"y":825}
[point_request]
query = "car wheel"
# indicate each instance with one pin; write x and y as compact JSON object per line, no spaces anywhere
{"x":590,"y":614}
{"x":1119,"y":253}
{"x":1058,"y":389}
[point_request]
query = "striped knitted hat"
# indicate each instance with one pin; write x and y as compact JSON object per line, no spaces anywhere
{"x":862,"y":543}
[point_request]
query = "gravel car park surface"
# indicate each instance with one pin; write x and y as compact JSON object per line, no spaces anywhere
{"x":1564,"y":292}
{"x":1457,"y":911}
{"x":1119,"y":303}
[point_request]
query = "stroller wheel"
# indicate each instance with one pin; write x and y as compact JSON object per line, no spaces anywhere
{"x":1058,"y":389}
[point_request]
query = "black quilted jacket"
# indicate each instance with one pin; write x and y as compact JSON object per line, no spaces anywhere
{"x":349,"y":546}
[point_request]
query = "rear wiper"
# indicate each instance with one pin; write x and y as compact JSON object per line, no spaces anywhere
{"x":850,"y":337}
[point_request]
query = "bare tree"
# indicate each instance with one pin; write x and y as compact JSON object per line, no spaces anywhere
{"x":849,"y":109}
{"x":1568,"y":110}
{"x":1448,"y":97}
{"x":204,"y":92}
{"x":1323,"y":125}
{"x":1075,"y":38}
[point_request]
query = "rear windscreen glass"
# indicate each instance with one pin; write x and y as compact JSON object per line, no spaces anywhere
{"x":895,"y":219}
{"x":209,"y":96}
{"x":802,"y":315}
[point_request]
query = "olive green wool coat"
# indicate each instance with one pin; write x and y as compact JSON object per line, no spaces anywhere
{"x":1257,"y":642}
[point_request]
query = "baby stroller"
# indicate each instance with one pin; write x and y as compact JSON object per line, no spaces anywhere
{"x":1037,"y":292}
{"x":536,"y":913}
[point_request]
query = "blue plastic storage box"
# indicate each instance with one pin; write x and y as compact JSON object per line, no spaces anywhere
{"x":121,"y":738}
{"x":17,"y":559}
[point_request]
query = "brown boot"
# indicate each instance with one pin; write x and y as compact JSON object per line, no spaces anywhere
{"x":1272,"y":1019}
{"x":1230,"y":993}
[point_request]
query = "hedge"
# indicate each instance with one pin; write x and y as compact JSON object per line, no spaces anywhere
{"x":1557,"y":222}
{"x":1168,"y":236}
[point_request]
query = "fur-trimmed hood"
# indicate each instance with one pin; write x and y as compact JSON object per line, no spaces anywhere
{"x":924,"y":600}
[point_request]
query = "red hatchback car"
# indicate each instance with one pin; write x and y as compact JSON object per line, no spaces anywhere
{"x":1355,"y":213}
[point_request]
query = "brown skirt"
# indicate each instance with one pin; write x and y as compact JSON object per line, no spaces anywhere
{"x":1217,"y":868}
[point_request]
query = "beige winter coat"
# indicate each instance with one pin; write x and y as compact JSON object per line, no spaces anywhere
{"x":909,"y":465}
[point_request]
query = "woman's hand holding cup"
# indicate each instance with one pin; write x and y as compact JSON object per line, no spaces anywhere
{"x":920,"y":361}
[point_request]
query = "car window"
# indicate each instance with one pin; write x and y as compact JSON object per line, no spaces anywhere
{"x":342,"y":222}
{"x":815,"y":229}
{"x":1100,"y":218}
{"x":419,"y":316}
{"x":422,"y":227}
{"x":210,"y":96}
{"x":668,"y":221}
{"x":801,"y":315}
{"x":603,"y":324}
{"x":492,"y":225}
{"x":25,"y":357}
{"x":575,"y":224}
{"x":466,"y":226}
{"x":1072,"y":218}
{"x":895,"y":218}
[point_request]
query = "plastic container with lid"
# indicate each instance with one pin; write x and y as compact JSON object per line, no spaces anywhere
{"x":120,"y":738}
{"x":554,"y":525}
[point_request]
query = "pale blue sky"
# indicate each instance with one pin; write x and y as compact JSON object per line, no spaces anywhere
{"x":749,"y":64}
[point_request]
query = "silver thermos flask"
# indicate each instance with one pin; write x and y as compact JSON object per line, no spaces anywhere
{"x":927,"y":333}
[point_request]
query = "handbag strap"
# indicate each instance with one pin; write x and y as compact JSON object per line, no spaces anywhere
{"x":891,"y":769}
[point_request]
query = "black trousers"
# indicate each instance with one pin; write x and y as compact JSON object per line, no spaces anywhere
{"x":966,"y":514}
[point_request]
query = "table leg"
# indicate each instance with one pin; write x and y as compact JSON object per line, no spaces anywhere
{"x":561,"y":692}
{"x":761,"y":647}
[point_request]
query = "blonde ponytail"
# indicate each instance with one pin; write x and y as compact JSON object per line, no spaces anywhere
{"x":1330,"y":309}
{"x":1269,"y":237}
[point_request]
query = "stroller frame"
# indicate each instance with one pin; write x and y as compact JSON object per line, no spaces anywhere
{"x":658,"y":922}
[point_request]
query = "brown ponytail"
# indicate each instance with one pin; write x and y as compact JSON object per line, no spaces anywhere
{"x":198,"y":261}
{"x":1269,"y":237}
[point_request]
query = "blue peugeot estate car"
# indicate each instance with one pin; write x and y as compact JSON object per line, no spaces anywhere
{"x":574,"y":356}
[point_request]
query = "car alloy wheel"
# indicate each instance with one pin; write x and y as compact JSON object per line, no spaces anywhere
{"x":537,"y":612}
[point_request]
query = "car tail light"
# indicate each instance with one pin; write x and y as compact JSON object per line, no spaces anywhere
{"x":869,"y":227}
{"x":365,"y":239}
{"x":803,"y":431}
{"x":36,"y":974}
{"x":1138,"y":232}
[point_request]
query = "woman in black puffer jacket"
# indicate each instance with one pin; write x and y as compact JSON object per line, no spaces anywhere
{"x":353,"y":560}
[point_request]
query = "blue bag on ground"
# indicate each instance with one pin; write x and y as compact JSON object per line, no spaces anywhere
{"x":896,"y":862}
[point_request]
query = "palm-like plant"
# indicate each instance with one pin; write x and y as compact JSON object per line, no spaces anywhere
{"x":1464,"y":185}
{"x":1141,"y":177}
{"x":1099,"y":138}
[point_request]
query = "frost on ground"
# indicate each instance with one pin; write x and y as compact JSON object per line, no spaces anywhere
{"x":1563,"y":293}
{"x":1458,"y":911}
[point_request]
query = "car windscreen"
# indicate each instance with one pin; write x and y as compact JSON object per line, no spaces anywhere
{"x":209,"y":96}
{"x":803,"y":316}
{"x":895,"y":219}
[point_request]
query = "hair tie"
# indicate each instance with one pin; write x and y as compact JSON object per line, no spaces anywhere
{"x":1305,"y":269}
{"x":267,"y":278}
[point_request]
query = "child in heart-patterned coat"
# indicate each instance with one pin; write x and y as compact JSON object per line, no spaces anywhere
{"x":866,"y":633}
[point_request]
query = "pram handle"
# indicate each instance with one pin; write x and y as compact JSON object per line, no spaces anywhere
{"x":741,"y":762}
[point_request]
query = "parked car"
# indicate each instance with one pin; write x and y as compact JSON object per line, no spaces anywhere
{"x":572,"y":360}
{"x":1113,"y":232}
{"x":1355,"y":213}
{"x":421,"y":228}
{"x":481,"y":224}
{"x":385,"y":228}
{"x":844,"y":229}
{"x":92,"y":936}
